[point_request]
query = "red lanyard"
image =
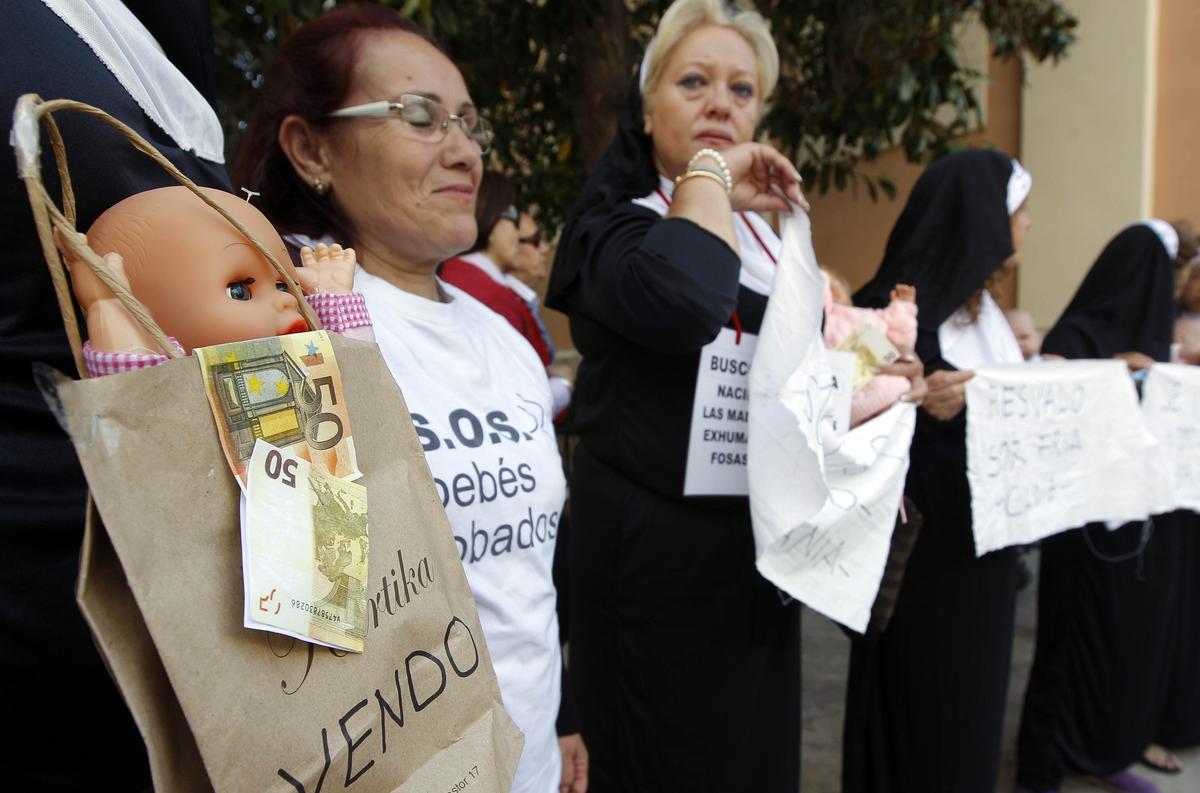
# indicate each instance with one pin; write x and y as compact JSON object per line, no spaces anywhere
{"x":737,"y":322}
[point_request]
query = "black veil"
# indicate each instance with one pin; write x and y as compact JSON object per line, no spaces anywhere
{"x":952,"y":235}
{"x":1124,"y":303}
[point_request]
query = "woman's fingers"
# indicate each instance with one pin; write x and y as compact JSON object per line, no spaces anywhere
{"x":946,"y":396}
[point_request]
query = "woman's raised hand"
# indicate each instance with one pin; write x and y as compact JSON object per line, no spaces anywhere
{"x":761,"y":178}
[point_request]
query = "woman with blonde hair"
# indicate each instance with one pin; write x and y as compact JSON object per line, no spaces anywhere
{"x":684,"y":660}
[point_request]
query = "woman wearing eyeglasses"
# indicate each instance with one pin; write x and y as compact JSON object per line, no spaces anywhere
{"x":366,"y":133}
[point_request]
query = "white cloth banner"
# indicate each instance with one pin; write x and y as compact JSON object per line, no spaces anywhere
{"x":1171,"y":404}
{"x":1053,"y":446}
{"x":823,"y":511}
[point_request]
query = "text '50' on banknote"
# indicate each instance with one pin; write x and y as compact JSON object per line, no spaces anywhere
{"x":285,"y":390}
{"x":304,"y":551}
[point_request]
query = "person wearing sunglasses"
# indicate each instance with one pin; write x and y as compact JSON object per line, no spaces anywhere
{"x":530,"y":270}
{"x":366,"y":135}
{"x":486,"y":271}
{"x":532,"y":265}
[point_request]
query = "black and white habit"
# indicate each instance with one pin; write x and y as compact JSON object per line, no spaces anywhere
{"x":1106,"y":599}
{"x":685,"y":663}
{"x":925,"y":699}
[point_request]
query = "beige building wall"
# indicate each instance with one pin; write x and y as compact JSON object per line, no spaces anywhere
{"x":1087,"y":136}
{"x":1177,"y":137}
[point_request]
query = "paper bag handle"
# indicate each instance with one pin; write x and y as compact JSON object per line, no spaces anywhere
{"x":25,"y":139}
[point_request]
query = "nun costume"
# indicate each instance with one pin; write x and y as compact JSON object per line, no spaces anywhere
{"x":925,"y":700}
{"x":1106,"y":599}
{"x":684,"y":661}
{"x":97,"y":52}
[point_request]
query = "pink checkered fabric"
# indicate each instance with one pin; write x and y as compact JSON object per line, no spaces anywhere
{"x":340,"y":311}
{"x":100,"y":363}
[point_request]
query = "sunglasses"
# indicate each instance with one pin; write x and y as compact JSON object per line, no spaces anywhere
{"x":534,"y":239}
{"x":425,"y":119}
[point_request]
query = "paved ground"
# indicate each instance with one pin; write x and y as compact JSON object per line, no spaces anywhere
{"x":826,"y":653}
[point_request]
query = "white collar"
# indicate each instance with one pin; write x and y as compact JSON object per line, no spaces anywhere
{"x":987,"y":340}
{"x":127,"y":49}
{"x":485,"y":263}
{"x":523,"y":290}
{"x":493,"y":271}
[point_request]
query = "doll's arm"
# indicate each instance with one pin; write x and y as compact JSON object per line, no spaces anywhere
{"x":328,"y":278}
{"x":327,"y":269}
{"x":111,"y":328}
{"x":101,"y":363}
{"x":343,"y":312}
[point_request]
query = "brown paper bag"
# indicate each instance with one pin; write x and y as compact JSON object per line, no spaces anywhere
{"x":220,"y":706}
{"x":226,"y":708}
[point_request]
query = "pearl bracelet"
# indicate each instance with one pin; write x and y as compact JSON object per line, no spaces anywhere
{"x":716,"y":157}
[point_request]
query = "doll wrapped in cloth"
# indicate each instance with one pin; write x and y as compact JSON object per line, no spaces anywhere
{"x":201,"y":280}
{"x":898,"y":322}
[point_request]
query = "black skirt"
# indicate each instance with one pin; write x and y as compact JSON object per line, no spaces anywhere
{"x":925,"y":699}
{"x":684,"y":662}
{"x":1105,"y":638}
{"x":1179,"y":726}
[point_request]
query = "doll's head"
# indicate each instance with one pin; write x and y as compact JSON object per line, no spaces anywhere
{"x":203,"y":282}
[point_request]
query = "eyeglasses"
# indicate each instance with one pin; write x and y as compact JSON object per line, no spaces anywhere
{"x":425,"y":118}
{"x":534,"y":239}
{"x":511,"y":213}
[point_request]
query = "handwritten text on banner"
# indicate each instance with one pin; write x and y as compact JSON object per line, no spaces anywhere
{"x":1172,"y":408}
{"x":1051,"y":447}
{"x":823,"y":506}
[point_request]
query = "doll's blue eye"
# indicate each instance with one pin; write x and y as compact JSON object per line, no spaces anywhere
{"x":281,"y":286}
{"x":238,"y":290}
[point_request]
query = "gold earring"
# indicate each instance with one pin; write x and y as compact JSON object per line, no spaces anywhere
{"x":320,"y":186}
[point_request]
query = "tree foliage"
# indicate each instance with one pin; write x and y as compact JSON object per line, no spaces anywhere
{"x":857,"y":78}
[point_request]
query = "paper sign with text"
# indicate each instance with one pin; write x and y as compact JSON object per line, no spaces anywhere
{"x":823,"y":504}
{"x":1051,"y":447}
{"x":1171,"y":404}
{"x":716,"y":460}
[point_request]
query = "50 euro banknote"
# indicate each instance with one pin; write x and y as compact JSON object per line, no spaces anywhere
{"x":305,"y":547}
{"x":285,"y":390}
{"x":871,"y":350}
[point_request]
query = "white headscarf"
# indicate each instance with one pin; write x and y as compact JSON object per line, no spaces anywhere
{"x":1166,"y":232}
{"x":1019,"y":185}
{"x":123,"y":44}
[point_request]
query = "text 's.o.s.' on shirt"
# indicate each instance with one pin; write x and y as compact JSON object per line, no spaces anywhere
{"x":481,"y":407}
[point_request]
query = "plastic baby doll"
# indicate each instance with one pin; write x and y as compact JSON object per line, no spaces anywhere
{"x":898,"y":322}
{"x":201,"y":280}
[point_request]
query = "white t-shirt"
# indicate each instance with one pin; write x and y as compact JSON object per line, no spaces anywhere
{"x":481,"y":407}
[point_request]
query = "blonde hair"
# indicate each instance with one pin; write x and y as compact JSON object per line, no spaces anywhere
{"x":684,"y":16}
